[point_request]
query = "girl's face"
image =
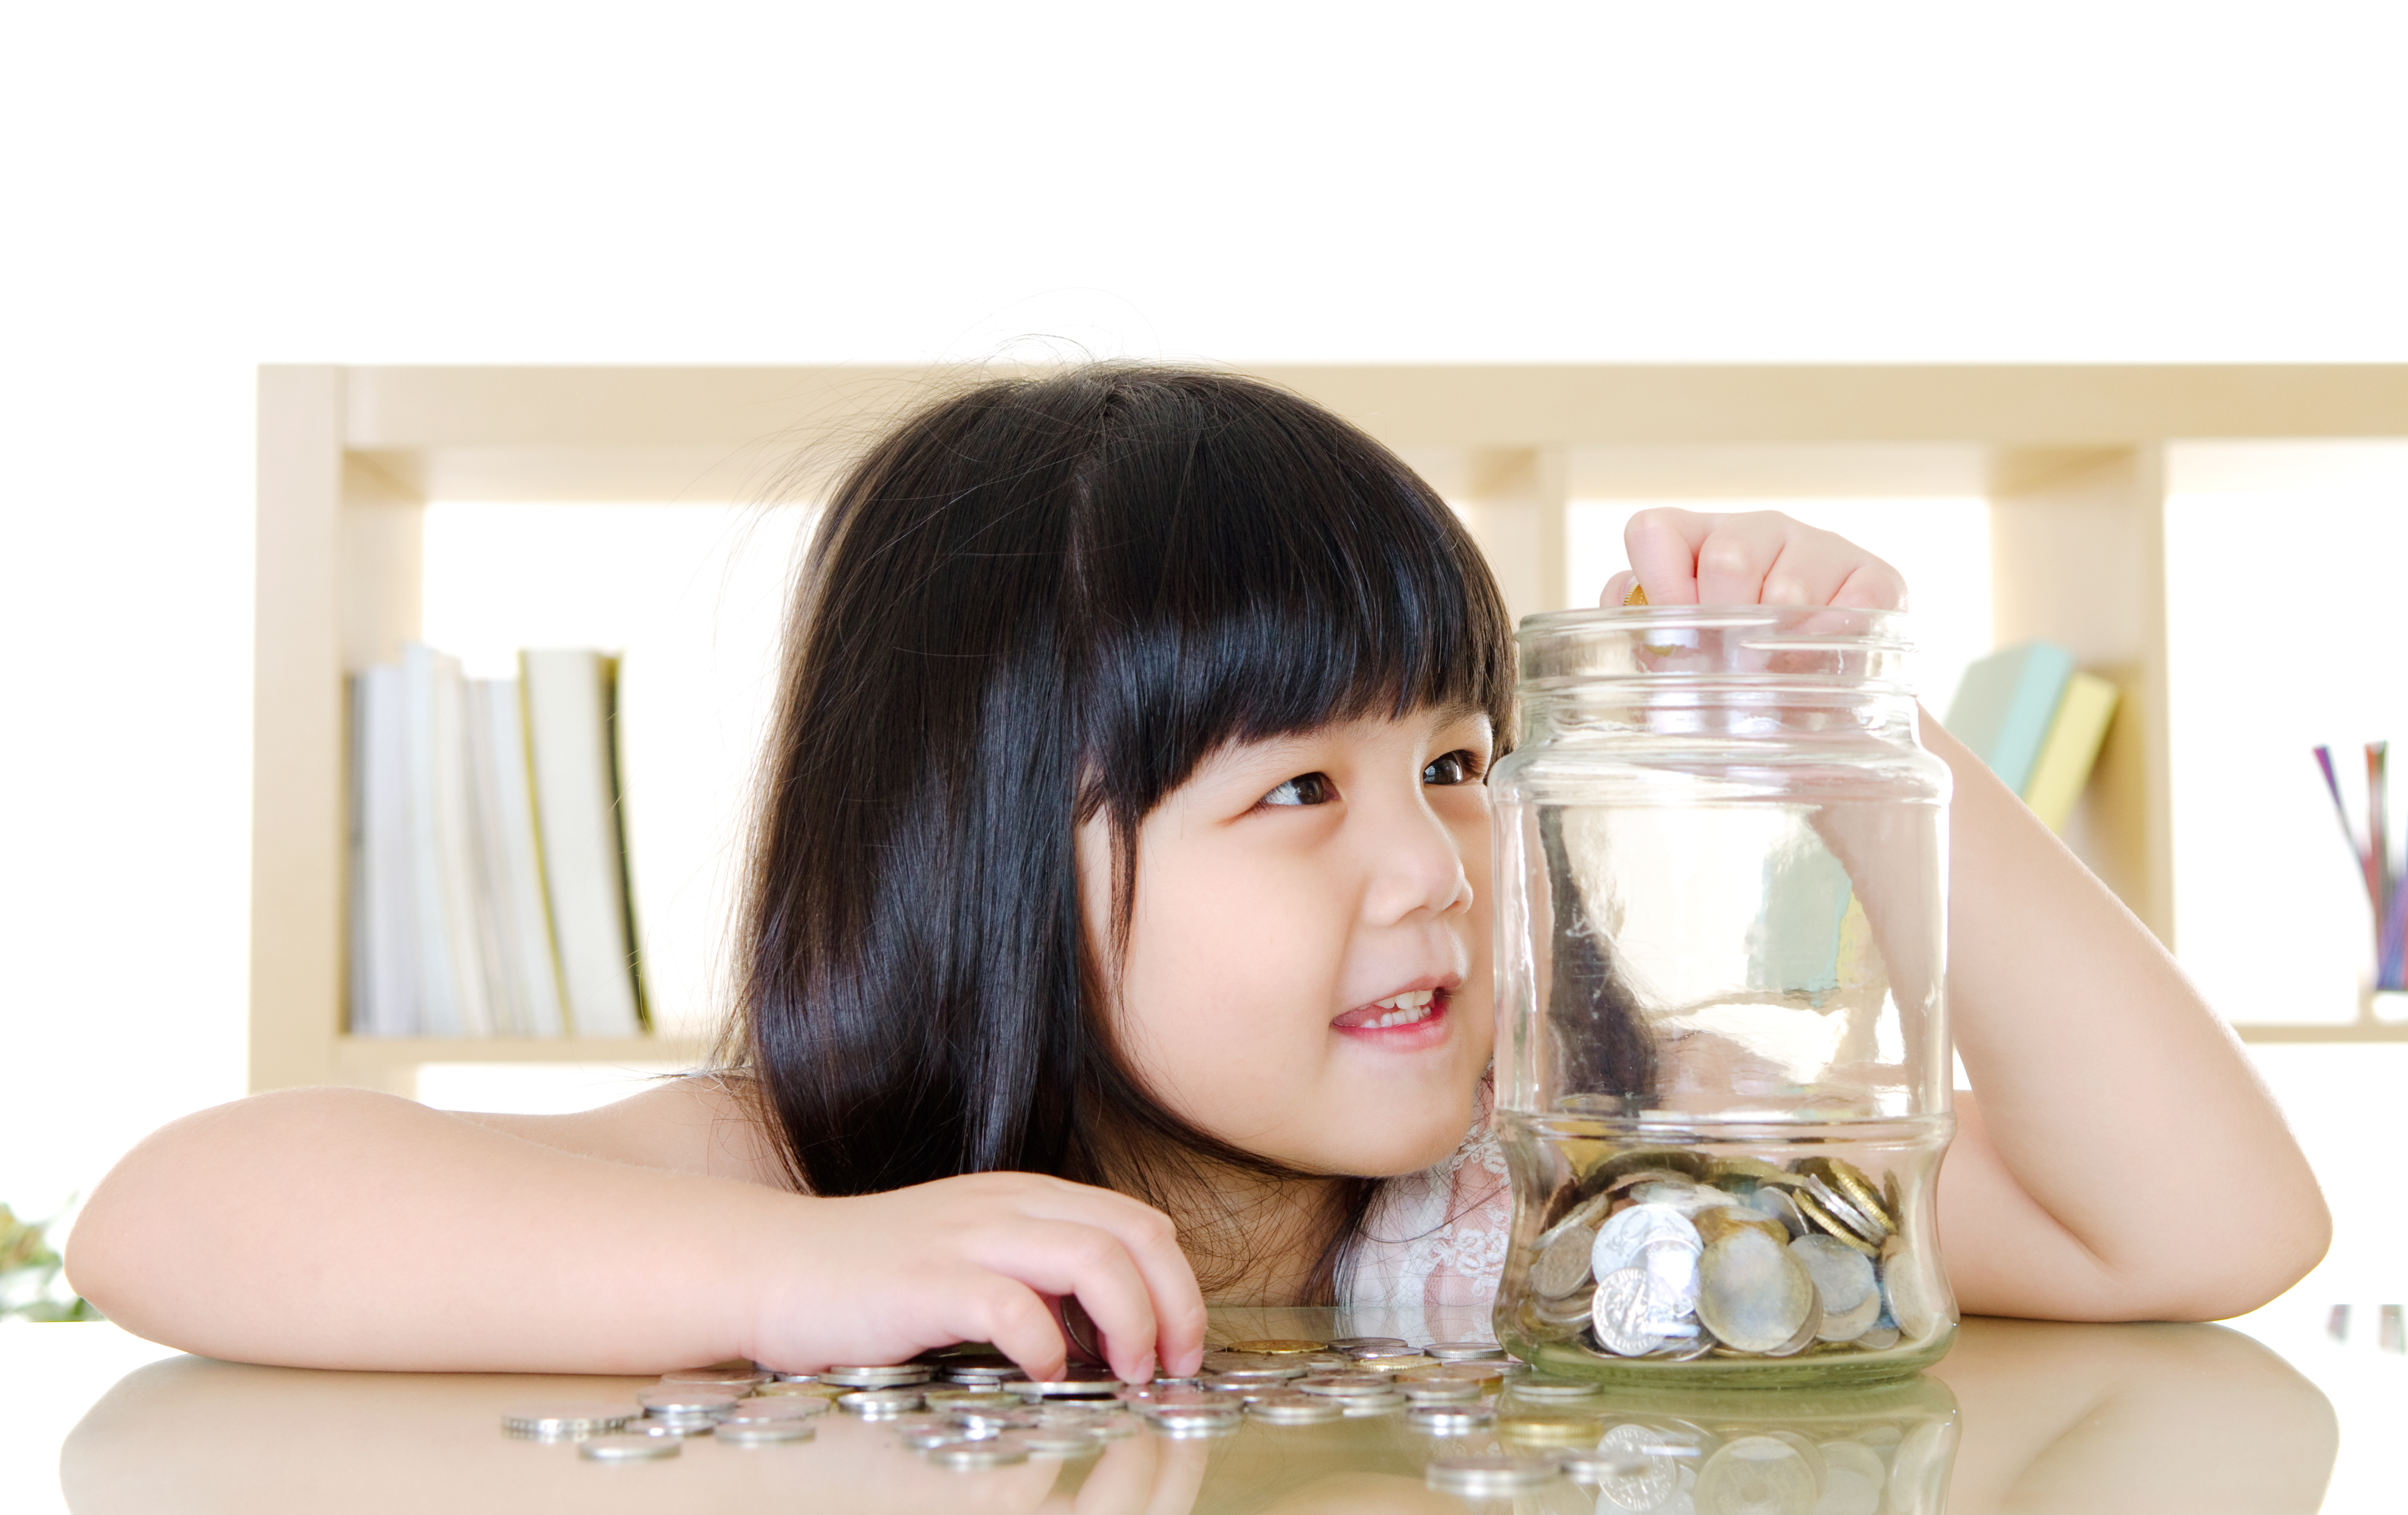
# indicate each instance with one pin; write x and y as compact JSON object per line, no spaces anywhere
{"x":1306,"y":969}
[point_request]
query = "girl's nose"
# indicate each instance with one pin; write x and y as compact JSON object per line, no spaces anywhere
{"x":1417,"y":868}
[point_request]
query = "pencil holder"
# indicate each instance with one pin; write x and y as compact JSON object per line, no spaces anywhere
{"x":1724,"y":1078}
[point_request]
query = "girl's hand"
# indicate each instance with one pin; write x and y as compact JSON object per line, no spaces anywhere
{"x":878,"y":1277}
{"x":1688,"y":558}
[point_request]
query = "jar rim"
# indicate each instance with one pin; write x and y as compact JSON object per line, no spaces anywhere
{"x":1863,"y":628}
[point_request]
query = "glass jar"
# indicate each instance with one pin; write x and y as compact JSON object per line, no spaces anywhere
{"x":1723,"y":1075}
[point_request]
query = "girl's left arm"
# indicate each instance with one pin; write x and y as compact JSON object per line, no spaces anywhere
{"x":2121,"y":1160}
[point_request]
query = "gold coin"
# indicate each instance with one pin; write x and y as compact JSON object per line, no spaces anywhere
{"x":1282,"y":1347}
{"x":1638,"y":595}
{"x":1549,"y":1430}
{"x":1823,"y":1221}
{"x":1721,"y":1219}
{"x":1749,"y":1169}
{"x":1857,"y":1189}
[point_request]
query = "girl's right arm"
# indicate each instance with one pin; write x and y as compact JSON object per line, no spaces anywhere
{"x":340,"y":1228}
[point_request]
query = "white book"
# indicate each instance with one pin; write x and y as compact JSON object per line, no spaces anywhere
{"x":384,"y":932}
{"x":527,"y":993}
{"x":568,"y":699}
{"x":439,"y":1012}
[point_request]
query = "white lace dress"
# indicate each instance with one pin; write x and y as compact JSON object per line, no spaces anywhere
{"x":1433,"y":1245}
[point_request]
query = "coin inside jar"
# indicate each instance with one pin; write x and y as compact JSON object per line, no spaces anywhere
{"x":1752,"y":1293}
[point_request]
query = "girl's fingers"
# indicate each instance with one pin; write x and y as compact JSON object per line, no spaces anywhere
{"x":1737,"y":555}
{"x":1874,"y":586}
{"x":1014,"y":1319}
{"x":1618,"y":589}
{"x":1685,"y":557}
{"x":1662,"y":546}
{"x":1176,"y":1322}
{"x":1064,"y":1258}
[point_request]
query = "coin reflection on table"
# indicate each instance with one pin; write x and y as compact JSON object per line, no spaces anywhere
{"x":2022,"y":1416}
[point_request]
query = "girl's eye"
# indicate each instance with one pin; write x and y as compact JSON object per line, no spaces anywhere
{"x":1304,"y":789}
{"x":1456,"y":767}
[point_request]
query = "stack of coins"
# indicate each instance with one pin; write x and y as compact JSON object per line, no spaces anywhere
{"x":1672,"y":1254}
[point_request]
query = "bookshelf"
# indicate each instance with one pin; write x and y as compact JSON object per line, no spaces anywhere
{"x":2072,"y":458}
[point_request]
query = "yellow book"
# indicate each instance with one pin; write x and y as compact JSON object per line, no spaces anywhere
{"x":2071,"y":745}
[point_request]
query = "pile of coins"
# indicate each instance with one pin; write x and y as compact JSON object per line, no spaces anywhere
{"x":1672,"y":1254}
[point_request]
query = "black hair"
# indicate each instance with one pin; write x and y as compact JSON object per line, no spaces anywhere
{"x":1034,"y":602}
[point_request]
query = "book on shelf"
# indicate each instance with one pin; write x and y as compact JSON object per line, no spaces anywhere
{"x":490,"y":884}
{"x":2037,"y":721}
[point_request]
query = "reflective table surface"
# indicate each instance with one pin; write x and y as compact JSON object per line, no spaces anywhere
{"x":2021,"y":1415}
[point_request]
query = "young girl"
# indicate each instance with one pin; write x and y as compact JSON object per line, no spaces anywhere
{"x":1119,"y":929}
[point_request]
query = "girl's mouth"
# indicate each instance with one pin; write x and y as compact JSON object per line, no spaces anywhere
{"x":1408,"y":1016}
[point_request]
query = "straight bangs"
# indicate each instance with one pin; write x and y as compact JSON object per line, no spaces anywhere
{"x":1248,"y":566}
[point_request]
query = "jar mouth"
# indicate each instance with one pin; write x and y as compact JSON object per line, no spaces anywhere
{"x":1781,"y":645}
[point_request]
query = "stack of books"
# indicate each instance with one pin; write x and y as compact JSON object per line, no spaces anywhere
{"x":2037,"y":721}
{"x":490,"y":885}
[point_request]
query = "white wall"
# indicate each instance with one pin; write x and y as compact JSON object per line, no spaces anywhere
{"x":192,"y":191}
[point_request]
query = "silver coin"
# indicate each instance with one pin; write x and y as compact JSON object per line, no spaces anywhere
{"x":1347,"y":1385}
{"x":629,"y":1449}
{"x":880,"y":1404}
{"x":1878,"y":1337}
{"x":1074,"y":1381}
{"x":946,"y":1399}
{"x":1379,"y":1353}
{"x":1620,"y":1240}
{"x":1060,"y":1441}
{"x":1465,"y":1351}
{"x":1753,"y":1292}
{"x":775,"y":1410}
{"x":1758,"y":1474}
{"x":1489,"y":1477}
{"x":1777,"y":1204}
{"x":1236,"y":1375}
{"x":1547,"y":1386}
{"x":1339,"y":1344}
{"x":929,"y":1437}
{"x":683,"y":1399}
{"x":1439,"y":1391}
{"x":1672,"y":1270}
{"x":998,"y":1451}
{"x":1842,"y":1275}
{"x":1572,"y":1313}
{"x":1193,"y":1416}
{"x":878,"y":1376}
{"x":1364,"y":1405}
{"x":1625,"y":1312}
{"x":1595,"y":1465}
{"x":1908,"y":1301}
{"x":1296,"y":1410}
{"x":1853,"y":1479}
{"x":765,"y":1432}
{"x":1450,"y":1419}
{"x":1560,"y":1266}
{"x":1642,"y":1477}
{"x":560,"y":1422}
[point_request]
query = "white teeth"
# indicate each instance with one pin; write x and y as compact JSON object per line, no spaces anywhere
{"x":1404,"y":1009}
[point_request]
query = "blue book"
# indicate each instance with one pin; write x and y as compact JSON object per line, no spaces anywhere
{"x":2003,"y":709}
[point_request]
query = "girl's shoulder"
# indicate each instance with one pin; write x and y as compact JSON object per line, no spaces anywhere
{"x":708,"y":1124}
